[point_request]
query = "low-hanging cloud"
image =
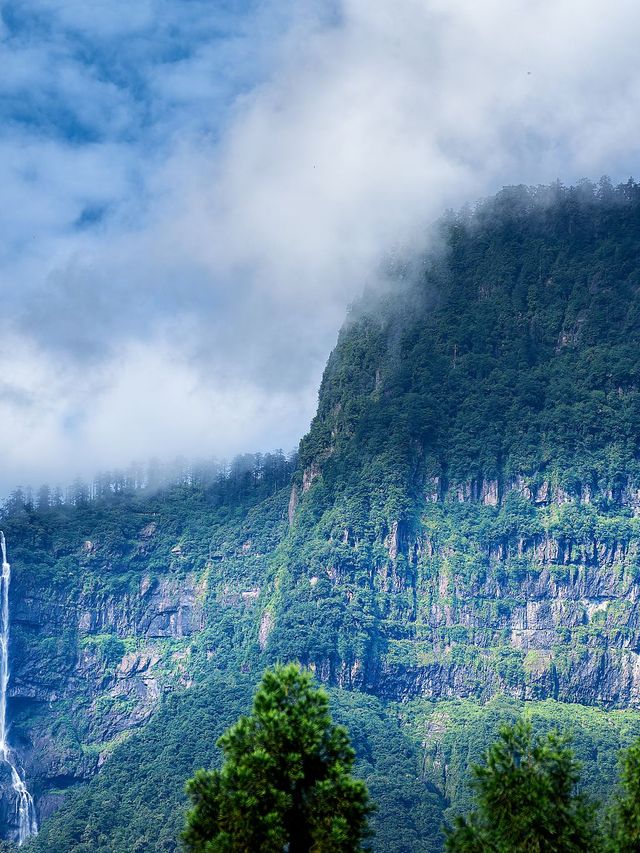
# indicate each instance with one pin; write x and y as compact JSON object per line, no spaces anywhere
{"x":193,"y":199}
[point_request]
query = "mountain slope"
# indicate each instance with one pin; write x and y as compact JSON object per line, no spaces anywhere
{"x":471,"y":478}
{"x":121,"y":810}
{"x":463,"y":523}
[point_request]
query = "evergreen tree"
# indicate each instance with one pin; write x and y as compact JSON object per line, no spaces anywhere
{"x":43,"y":498}
{"x":625,"y":814}
{"x":526,"y":799}
{"x":286,"y":781}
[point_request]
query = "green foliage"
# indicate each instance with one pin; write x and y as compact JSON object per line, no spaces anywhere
{"x":286,"y":780}
{"x":106,"y":545}
{"x":455,"y":734}
{"x":624,"y":818}
{"x":109,"y":648}
{"x":476,"y":449}
{"x":136,"y":803}
{"x":514,"y":352}
{"x":400,"y":758}
{"x":409,"y":809}
{"x":526,"y":799}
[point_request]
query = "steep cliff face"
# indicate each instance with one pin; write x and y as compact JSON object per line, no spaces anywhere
{"x":89,"y":670}
{"x":101,"y":668}
{"x":464,"y":520}
{"x":469,"y":490}
{"x":110,"y":618}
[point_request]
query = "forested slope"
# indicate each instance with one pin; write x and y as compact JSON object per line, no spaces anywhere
{"x":470,"y":484}
{"x":459,"y":534}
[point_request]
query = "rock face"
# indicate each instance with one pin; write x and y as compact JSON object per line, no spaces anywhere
{"x":548,"y":608}
{"x":464,"y":519}
{"x":565,"y":625}
{"x":8,"y":811}
{"x":89,"y":669}
{"x":162,"y":609}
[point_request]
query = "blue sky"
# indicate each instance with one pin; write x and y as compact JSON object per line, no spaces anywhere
{"x":193,"y":192}
{"x":95,"y":95}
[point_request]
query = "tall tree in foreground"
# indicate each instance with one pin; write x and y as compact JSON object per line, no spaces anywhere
{"x":526,"y":799}
{"x":625,"y":813}
{"x":286,"y":780}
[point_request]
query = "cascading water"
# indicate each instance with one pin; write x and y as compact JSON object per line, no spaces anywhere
{"x":25,"y":812}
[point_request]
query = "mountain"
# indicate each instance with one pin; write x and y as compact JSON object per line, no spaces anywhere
{"x":474,"y":464}
{"x":458,"y":536}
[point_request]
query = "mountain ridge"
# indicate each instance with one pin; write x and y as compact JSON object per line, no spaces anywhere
{"x":462,"y":524}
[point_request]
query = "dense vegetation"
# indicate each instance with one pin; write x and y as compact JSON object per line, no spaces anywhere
{"x":415,"y":761}
{"x":623,"y":828}
{"x":286,"y":782}
{"x":478,"y":422}
{"x":462,"y":523}
{"x":514,"y":352}
{"x":526,"y":799}
{"x":455,"y":734}
{"x":137,"y":802}
{"x":203,"y":509}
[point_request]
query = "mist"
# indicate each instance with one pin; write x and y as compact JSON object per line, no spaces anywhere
{"x":193,"y":199}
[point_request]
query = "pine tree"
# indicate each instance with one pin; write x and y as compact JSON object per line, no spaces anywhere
{"x":526,"y":799}
{"x":625,"y":813}
{"x":286,"y":780}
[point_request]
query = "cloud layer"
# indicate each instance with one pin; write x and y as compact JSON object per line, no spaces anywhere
{"x":192,"y":197}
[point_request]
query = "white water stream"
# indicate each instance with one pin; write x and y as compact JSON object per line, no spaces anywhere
{"x":25,"y":811}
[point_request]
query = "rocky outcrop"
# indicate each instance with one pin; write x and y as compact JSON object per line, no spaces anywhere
{"x":87,"y":669}
{"x":309,"y":475}
{"x":544,"y":619}
{"x":538,"y":490}
{"x":293,"y":504}
{"x":166,"y":608}
{"x":266,"y":626}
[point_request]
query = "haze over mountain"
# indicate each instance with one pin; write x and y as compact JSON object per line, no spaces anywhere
{"x":227,"y":228}
{"x":192,"y":196}
{"x":458,"y":540}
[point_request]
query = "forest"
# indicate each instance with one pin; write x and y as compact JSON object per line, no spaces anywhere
{"x":456,"y":543}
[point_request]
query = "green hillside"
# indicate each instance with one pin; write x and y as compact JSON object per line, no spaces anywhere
{"x":457,"y":541}
{"x":474,"y":461}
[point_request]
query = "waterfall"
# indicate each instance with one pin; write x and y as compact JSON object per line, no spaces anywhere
{"x":25,"y":811}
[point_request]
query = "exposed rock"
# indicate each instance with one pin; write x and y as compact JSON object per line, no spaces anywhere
{"x":251,"y":595}
{"x":541,"y":494}
{"x":433,"y":489}
{"x":293,"y":503}
{"x":149,"y":530}
{"x":489,"y":493}
{"x":309,"y":475}
{"x":266,"y":626}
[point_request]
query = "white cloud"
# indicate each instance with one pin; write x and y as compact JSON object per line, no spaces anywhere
{"x":241,"y":219}
{"x":146,"y":394}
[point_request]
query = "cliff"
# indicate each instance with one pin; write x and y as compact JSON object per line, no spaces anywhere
{"x":118,"y":603}
{"x":463,"y":523}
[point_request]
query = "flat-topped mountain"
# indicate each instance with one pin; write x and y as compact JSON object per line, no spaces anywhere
{"x":459,"y":533}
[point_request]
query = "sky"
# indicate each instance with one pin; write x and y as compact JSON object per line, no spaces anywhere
{"x":193,"y":192}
